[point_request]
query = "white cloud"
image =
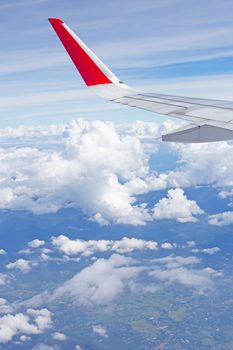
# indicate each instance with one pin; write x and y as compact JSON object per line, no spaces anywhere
{"x":3,"y":279}
{"x":203,"y":164}
{"x":213,"y":272}
{"x":59,"y":336}
{"x":4,"y":306}
{"x":100,"y":282}
{"x":25,"y":251}
{"x":178,"y":269}
{"x":211,"y":251}
{"x":105,"y":279}
{"x":45,"y":254}
{"x":101,"y":167}
{"x":172,"y":261}
{"x":78,"y":347}
{"x":36,"y":243}
{"x":45,"y":257}
{"x":24,"y":338}
{"x":195,"y":250}
{"x":42,"y":346}
{"x":126,"y":245}
{"x":100,"y":330}
{"x":221,"y":219}
{"x":78,"y":246}
{"x":167,"y":245}
{"x":90,"y":170}
{"x":20,"y":264}
{"x":176,"y":206}
{"x":2,"y":252}
{"x":191,"y":244}
{"x":33,"y":322}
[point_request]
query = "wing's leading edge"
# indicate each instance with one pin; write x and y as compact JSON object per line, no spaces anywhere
{"x":211,"y":120}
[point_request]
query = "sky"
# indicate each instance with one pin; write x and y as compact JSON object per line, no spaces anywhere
{"x":161,"y":46}
{"x":109,"y":237}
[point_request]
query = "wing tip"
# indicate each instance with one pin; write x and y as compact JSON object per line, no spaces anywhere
{"x":54,"y":20}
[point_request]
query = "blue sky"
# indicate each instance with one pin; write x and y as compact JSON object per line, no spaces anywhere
{"x":109,"y":237}
{"x":162,"y":46}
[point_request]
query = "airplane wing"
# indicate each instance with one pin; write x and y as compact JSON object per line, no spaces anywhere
{"x":210,"y":120}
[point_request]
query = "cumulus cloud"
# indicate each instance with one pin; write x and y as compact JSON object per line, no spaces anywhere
{"x":203,"y":164}
{"x":211,"y":251}
{"x":78,"y":246}
{"x":100,"y":330}
{"x":89,"y":170}
{"x":24,"y":338}
{"x":191,"y":244}
{"x":167,"y":245}
{"x":59,"y":336}
{"x":25,"y":251}
{"x":21,"y":264}
{"x":176,"y":206}
{"x":99,"y":167}
{"x":32,"y":322}
{"x":178,"y":269}
{"x":100,"y":282}
{"x":36,"y":243}
{"x":221,"y":219}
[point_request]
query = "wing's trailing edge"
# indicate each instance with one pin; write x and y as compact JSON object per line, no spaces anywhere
{"x":211,"y":120}
{"x":199,"y":133}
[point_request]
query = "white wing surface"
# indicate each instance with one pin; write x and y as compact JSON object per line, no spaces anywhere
{"x":210,"y":120}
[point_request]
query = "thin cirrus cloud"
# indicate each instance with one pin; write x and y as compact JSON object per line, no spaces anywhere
{"x":17,"y":4}
{"x":128,"y":53}
{"x":186,"y":36}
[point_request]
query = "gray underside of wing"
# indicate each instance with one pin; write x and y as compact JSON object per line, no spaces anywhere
{"x":211,"y":120}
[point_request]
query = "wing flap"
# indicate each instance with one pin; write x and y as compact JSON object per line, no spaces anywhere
{"x":200,"y":133}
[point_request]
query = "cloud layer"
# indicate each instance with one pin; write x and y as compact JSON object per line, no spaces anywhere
{"x":178,"y":269}
{"x":96,"y":166}
{"x":78,"y":246}
{"x":32,"y":322}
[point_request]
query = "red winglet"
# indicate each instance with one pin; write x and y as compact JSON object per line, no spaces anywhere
{"x":90,"y":72}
